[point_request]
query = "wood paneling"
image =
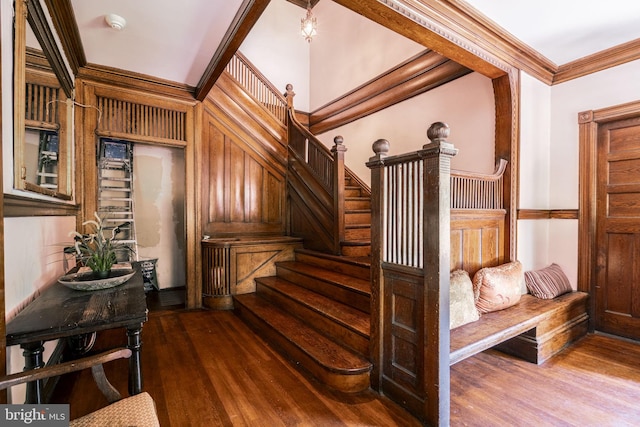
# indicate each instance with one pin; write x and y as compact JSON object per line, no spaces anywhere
{"x":243,"y":168}
{"x":477,"y":239}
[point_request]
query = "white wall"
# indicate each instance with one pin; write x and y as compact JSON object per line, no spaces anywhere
{"x":350,"y":50}
{"x":549,"y":160}
{"x":466,"y":105}
{"x":277,"y":49}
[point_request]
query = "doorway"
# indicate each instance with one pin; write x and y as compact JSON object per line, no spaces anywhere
{"x":610,"y":217}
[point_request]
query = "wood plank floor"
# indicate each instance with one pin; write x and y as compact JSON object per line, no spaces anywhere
{"x":206,"y":368}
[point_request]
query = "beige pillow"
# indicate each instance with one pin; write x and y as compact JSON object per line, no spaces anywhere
{"x":461,"y":301}
{"x":548,"y":282}
{"x":498,"y":287}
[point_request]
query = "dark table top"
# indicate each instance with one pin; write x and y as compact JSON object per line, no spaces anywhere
{"x":61,"y":312}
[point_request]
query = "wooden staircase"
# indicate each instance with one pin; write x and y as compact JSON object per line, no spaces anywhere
{"x":316,"y":311}
{"x":357,"y":219}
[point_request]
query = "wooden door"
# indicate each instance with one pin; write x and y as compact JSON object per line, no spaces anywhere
{"x":618,"y":229}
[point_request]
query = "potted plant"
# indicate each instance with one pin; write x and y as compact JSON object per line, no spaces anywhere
{"x":95,"y":250}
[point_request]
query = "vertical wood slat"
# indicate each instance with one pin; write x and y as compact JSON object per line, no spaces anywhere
{"x":470,"y":190}
{"x":41,"y":103}
{"x":258,"y":86}
{"x":142,"y":120}
{"x":217,"y":273}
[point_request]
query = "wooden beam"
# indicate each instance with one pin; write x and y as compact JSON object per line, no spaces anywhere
{"x":248,"y":14}
{"x":425,"y":71}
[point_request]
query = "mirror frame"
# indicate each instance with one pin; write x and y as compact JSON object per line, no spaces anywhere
{"x":30,"y":12}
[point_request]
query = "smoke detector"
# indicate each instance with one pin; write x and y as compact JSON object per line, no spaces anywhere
{"x":116,"y":22}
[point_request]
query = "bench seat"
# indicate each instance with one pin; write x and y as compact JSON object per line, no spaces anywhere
{"x":534,"y":329}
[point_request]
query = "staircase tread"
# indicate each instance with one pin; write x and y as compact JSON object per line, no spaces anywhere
{"x":356,"y":284}
{"x":359,"y":261}
{"x":343,"y":314}
{"x":357,"y":226}
{"x":356,"y":242}
{"x":325,"y":351}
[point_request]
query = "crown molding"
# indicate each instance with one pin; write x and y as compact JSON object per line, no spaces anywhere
{"x":131,"y":80}
{"x":599,"y":61}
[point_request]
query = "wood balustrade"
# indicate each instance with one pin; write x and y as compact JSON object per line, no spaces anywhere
{"x":413,"y":232}
{"x":470,"y":190}
{"x":241,"y":69}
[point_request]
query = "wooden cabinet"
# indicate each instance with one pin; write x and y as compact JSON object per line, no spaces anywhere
{"x":230,"y":265}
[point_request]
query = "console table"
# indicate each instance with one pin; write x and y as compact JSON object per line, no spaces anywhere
{"x":60,"y":312}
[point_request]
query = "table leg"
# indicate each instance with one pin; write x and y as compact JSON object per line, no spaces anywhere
{"x":134,"y":343}
{"x":33,"y":359}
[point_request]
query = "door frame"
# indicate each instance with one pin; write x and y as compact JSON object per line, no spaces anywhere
{"x":589,"y":123}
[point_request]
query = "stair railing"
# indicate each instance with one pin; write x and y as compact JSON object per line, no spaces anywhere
{"x":410,"y":244}
{"x":317,"y":175}
{"x":245,"y":73}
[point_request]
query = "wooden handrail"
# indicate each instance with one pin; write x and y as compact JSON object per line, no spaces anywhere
{"x":242,"y":70}
{"x":472,"y":190}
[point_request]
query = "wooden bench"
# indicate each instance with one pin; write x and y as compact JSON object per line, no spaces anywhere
{"x":534,"y":329}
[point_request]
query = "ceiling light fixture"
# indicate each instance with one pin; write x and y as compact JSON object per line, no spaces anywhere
{"x":116,"y":22}
{"x":308,"y":24}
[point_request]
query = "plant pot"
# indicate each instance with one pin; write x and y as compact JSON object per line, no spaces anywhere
{"x":101,"y":274}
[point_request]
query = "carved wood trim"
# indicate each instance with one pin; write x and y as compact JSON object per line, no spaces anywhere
{"x":547,"y":213}
{"x":18,"y":206}
{"x":248,"y":14}
{"x":410,"y":19}
{"x":599,"y":61}
{"x":136,"y":81}
{"x":423,"y":72}
{"x":66,"y":26}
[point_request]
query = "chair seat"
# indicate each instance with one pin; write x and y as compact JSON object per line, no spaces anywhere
{"x":138,"y":410}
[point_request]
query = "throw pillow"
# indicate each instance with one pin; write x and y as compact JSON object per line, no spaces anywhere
{"x":548,"y":282}
{"x":498,"y":287}
{"x":462,"y":307}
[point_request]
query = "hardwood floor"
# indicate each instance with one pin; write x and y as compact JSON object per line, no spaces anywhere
{"x":206,"y":368}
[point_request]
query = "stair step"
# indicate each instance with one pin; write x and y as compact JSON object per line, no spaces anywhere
{"x":339,"y":321}
{"x":360,"y":268}
{"x":352,"y":191}
{"x":357,"y":232}
{"x":361,"y":216}
{"x":349,"y":290}
{"x":333,"y":364}
{"x":356,"y":248}
{"x":354,"y":203}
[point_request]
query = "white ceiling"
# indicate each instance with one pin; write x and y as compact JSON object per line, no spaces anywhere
{"x":565,"y":30}
{"x":175,"y":40}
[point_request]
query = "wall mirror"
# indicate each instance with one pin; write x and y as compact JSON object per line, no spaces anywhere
{"x":43,"y":109}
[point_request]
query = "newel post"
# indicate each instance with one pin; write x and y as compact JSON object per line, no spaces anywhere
{"x":338,"y":151}
{"x":289,"y":94}
{"x":436,"y":157}
{"x":376,"y":164}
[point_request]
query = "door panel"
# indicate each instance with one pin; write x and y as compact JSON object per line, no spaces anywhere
{"x":618,"y":229}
